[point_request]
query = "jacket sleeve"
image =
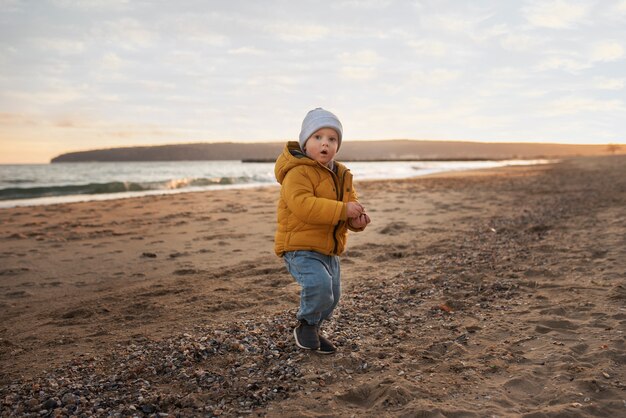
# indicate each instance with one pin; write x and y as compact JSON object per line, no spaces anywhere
{"x":297,"y":192}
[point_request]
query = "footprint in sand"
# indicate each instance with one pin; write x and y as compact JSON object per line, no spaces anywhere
{"x":525,"y":390}
{"x":557,"y":325}
{"x":386,"y":393}
{"x":18,"y":294}
{"x":394,"y":228}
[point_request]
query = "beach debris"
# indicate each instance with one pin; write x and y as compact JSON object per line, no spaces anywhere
{"x":606,"y":375}
{"x":444,"y":307}
{"x":148,"y":255}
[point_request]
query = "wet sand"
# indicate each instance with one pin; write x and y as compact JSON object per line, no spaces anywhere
{"x":496,"y":292}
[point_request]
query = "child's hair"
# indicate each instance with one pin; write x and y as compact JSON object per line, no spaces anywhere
{"x":317,"y":119}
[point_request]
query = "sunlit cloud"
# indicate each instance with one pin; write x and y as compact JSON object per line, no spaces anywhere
{"x":294,"y":32}
{"x":566,"y":64}
{"x":200,"y":33}
{"x":585,"y":58}
{"x":358,"y":73}
{"x":557,"y":14}
{"x":457,"y":23}
{"x":606,"y":83}
{"x":575,"y":105}
{"x":10,"y":118}
{"x":111,"y":62}
{"x":156,"y":85}
{"x":434,"y":77}
{"x":429,"y":47}
{"x":52,"y":96}
{"x":520,"y":42}
{"x":365,"y":57}
{"x":127,"y":33}
{"x":607,"y":51}
{"x":246,"y":50}
{"x":360,"y":65}
{"x":422,"y":103}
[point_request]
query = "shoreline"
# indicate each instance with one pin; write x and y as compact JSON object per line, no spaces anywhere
{"x":86,"y":197}
{"x":496,"y":291}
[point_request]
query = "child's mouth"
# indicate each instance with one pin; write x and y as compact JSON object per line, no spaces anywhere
{"x":324,"y":152}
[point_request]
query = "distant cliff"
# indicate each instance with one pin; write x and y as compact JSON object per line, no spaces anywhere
{"x":350,"y":150}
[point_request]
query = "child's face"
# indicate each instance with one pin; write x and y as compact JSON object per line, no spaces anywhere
{"x":322,"y":145}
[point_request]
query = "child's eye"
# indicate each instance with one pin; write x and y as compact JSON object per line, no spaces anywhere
{"x":318,"y":137}
{"x":332,"y":139}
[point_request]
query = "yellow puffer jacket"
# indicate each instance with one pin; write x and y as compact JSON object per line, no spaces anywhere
{"x":312,"y":204}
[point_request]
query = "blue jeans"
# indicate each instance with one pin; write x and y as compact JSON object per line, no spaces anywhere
{"x":319,"y":277}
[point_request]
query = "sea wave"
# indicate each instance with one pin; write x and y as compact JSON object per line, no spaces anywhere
{"x":17,"y":193}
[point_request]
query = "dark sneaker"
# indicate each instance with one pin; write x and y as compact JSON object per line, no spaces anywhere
{"x":306,"y":336}
{"x":326,"y":347}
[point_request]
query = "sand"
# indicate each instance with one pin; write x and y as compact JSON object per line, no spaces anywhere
{"x":490,"y":293}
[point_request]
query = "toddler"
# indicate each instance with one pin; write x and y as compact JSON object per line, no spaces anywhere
{"x":317,"y":206}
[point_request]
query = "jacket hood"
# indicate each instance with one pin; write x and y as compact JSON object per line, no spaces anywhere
{"x":291,"y":157}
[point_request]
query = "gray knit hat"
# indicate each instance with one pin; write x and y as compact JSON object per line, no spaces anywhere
{"x":317,"y":119}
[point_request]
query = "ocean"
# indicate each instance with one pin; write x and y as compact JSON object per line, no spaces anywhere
{"x":43,"y":184}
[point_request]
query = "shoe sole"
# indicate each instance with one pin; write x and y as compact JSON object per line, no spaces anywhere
{"x":295,"y":337}
{"x":320,"y":351}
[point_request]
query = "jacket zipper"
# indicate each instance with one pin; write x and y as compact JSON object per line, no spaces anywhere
{"x":340,"y":199}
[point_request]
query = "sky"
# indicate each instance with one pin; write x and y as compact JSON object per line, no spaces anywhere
{"x":90,"y":74}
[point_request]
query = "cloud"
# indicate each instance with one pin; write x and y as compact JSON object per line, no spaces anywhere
{"x":430,"y":47}
{"x":584,"y":58}
{"x":574,"y":105}
{"x":126,"y":33}
{"x":567,"y":64}
{"x":272,"y":83}
{"x":92,"y":5}
{"x":557,"y":14}
{"x":60,"y":45}
{"x":189,"y":28}
{"x":157,"y":86}
{"x":519,"y":42}
{"x":12,"y":118}
{"x":53,"y":96}
{"x":453,"y":23}
{"x":360,"y":65}
{"x":364,"y":57}
{"x":11,"y":5}
{"x":361,"y":4}
{"x":605,"y":83}
{"x":607,"y":51}
{"x":358,"y":73}
{"x":292,"y":32}
{"x":246,"y":50}
{"x":111,"y":62}
{"x":434,"y":77}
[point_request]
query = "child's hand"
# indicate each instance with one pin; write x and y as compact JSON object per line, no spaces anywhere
{"x":354,"y":209}
{"x":359,"y":222}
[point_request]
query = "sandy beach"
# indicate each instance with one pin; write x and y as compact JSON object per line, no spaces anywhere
{"x":490,"y":293}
